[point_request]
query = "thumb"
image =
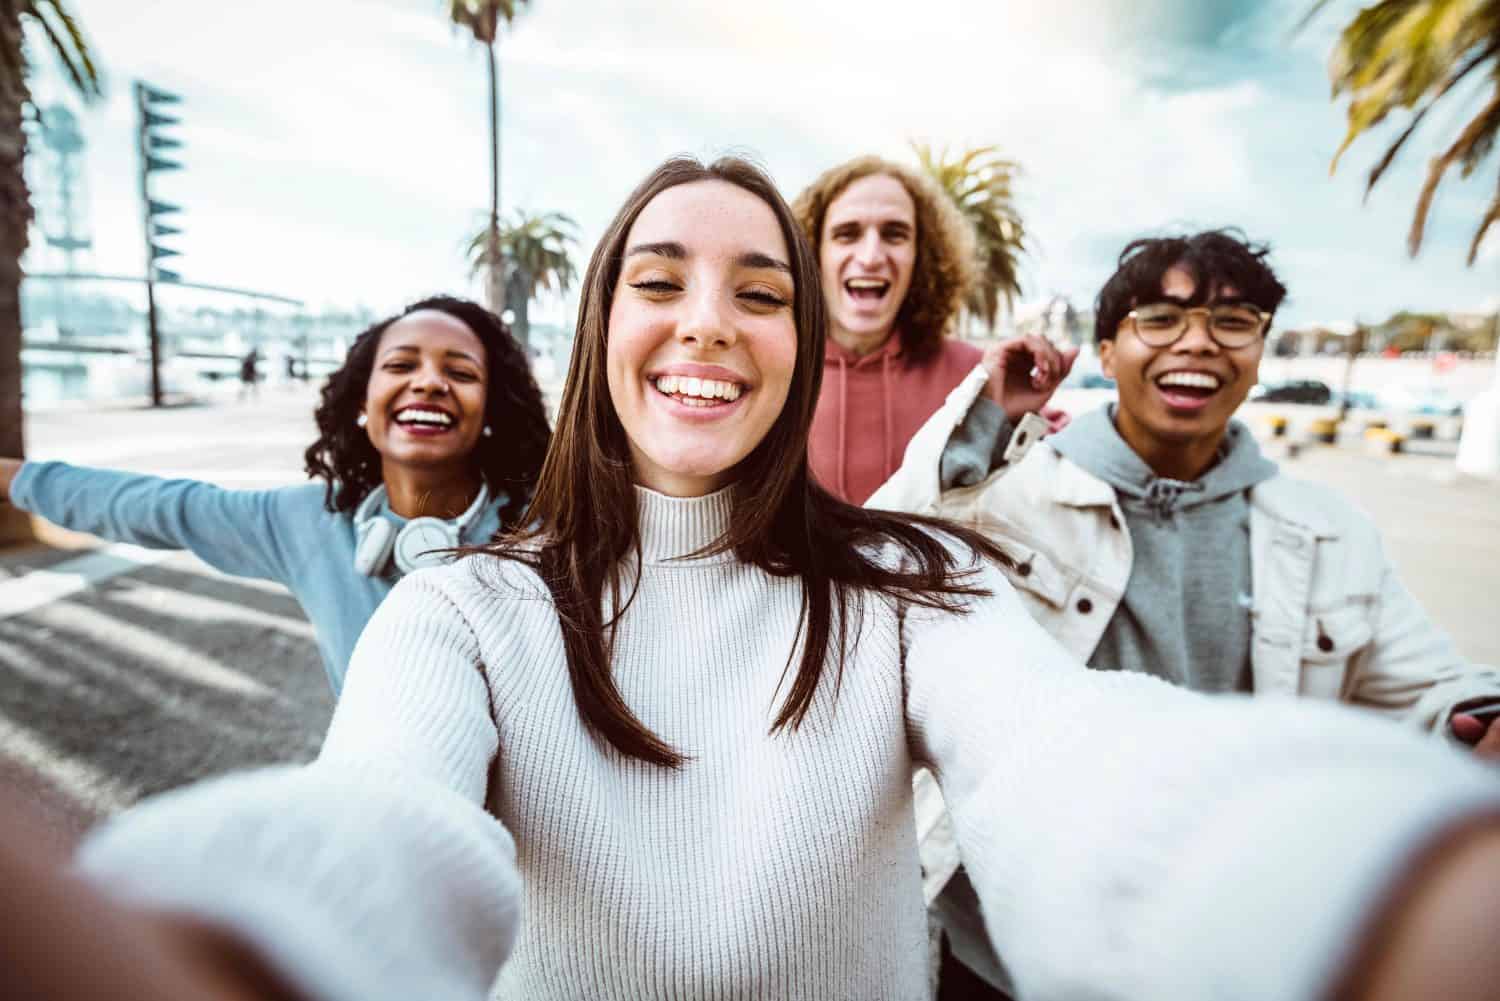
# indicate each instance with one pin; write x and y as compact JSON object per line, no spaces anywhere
{"x":1466,"y":728}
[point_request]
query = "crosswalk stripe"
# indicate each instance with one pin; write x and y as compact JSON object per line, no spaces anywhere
{"x":31,"y":591}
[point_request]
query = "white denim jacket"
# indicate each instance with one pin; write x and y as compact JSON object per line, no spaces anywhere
{"x":1330,"y":618}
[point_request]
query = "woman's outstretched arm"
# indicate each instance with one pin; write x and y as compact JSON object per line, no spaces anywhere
{"x":1132,"y":839}
{"x":375,"y":872}
{"x":248,"y":533}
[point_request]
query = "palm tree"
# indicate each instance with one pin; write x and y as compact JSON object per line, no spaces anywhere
{"x":483,"y":18}
{"x":64,"y":36}
{"x":1408,"y":54}
{"x":537,"y":249}
{"x":979,"y":182}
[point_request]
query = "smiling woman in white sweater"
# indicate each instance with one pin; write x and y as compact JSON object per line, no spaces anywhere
{"x":661,"y":747}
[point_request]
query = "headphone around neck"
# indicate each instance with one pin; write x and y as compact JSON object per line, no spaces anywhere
{"x":416,"y":545}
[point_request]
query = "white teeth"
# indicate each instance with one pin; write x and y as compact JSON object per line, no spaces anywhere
{"x":706,"y":389}
{"x":864,"y":284}
{"x":424,"y":417}
{"x":1192,"y":380}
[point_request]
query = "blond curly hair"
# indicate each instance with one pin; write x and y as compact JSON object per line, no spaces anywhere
{"x":945,"y":266}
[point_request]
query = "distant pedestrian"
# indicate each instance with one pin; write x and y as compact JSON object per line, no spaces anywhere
{"x":432,"y":434}
{"x":896,"y":259}
{"x":249,"y":374}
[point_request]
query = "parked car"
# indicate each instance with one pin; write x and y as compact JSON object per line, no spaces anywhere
{"x":1292,"y":391}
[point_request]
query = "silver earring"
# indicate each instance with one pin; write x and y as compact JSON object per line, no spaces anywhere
{"x":361,"y":420}
{"x":487,"y":432}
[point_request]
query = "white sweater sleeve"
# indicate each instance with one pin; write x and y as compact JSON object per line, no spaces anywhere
{"x":373,"y":873}
{"x":1128,"y":839}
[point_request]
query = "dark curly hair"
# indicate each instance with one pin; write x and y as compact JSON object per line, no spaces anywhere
{"x":1214,"y":258}
{"x":509,"y":460}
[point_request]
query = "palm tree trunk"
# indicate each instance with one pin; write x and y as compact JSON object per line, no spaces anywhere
{"x":495,"y":290}
{"x":15,"y":216}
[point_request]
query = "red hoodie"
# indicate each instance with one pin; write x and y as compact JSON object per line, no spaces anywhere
{"x":871,"y":406}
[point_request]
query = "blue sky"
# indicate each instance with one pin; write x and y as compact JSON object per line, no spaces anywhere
{"x":338,"y":149}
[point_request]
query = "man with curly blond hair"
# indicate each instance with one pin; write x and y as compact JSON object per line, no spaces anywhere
{"x":897,"y":259}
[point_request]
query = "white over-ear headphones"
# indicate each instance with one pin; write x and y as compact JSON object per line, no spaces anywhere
{"x":416,"y":545}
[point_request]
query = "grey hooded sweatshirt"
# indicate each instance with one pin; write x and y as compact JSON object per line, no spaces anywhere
{"x":1185,"y":616}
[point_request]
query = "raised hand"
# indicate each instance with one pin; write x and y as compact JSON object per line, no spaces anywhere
{"x":1024,"y":373}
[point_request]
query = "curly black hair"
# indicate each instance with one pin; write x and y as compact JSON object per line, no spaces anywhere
{"x":1214,"y":258}
{"x":510,"y":460}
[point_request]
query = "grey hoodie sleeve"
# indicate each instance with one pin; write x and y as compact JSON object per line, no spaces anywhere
{"x":975,"y":448}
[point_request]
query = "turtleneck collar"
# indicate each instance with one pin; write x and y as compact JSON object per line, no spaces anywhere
{"x":675,"y":526}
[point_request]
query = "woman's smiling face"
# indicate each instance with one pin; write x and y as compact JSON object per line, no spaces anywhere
{"x":702,"y":339}
{"x":425,"y":399}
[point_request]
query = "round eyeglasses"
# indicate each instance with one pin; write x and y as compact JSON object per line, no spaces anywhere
{"x":1160,"y":324}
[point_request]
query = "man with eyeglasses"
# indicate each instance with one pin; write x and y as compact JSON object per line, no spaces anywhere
{"x":1152,"y":535}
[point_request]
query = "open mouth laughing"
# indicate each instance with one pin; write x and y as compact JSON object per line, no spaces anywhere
{"x":697,"y":391}
{"x":424,"y":420}
{"x":867,"y":290}
{"x":1188,"y":390}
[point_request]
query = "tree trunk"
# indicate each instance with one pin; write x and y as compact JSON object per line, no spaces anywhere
{"x":15,"y":217}
{"x":495,"y":286}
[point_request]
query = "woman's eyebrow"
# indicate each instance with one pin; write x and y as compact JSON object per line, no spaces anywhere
{"x":668,"y":248}
{"x":755,"y":259}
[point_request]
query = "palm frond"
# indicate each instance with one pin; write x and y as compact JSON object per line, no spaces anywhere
{"x":540,"y":246}
{"x":1409,"y":55}
{"x":483,"y":18}
{"x":1474,"y":132}
{"x":979,"y":182}
{"x":71,"y":47}
{"x":1491,"y":217}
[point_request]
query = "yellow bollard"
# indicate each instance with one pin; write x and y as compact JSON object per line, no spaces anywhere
{"x":1383,"y":441}
{"x":1324,"y":429}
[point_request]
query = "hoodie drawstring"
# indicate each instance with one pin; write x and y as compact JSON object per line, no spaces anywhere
{"x":890,"y":434}
{"x":843,"y":456}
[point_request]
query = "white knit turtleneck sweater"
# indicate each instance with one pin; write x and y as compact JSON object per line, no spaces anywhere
{"x":1127,"y":839}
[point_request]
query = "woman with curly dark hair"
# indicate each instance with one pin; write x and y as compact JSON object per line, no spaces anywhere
{"x":432,"y":434}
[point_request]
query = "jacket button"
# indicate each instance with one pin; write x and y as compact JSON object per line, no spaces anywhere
{"x":1085,"y":606}
{"x":1024,"y":569}
{"x":1325,"y":644}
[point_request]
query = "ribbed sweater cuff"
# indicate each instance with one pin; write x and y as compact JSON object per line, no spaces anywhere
{"x":354,"y":887}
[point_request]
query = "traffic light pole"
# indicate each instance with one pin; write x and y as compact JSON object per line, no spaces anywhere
{"x":149,"y":143}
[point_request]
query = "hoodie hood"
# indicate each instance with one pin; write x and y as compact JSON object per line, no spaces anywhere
{"x":1094,"y":443}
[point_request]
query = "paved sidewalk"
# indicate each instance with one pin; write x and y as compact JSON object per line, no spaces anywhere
{"x":123,"y":672}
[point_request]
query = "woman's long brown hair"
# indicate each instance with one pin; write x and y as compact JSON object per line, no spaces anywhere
{"x":584,"y":522}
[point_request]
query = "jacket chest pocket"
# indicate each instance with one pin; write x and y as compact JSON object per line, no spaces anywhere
{"x":1330,"y":642}
{"x":1036,"y":577}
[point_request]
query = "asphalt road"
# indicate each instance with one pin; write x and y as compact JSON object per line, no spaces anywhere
{"x":162,"y":670}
